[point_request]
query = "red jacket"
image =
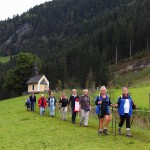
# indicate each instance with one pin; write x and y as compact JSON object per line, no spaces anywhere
{"x":40,"y":102}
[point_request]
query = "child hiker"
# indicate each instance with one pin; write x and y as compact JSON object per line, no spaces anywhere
{"x":125,"y":107}
{"x":102,"y":110}
{"x":63,"y":104}
{"x":28,"y":104}
{"x":42,"y":104}
{"x":52,"y":105}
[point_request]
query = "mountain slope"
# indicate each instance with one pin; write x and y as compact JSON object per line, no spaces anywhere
{"x":74,"y":35}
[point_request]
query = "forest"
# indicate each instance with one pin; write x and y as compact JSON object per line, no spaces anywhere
{"x":76,"y":41}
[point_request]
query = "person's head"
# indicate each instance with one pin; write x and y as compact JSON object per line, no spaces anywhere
{"x":85,"y":91}
{"x":51,"y":94}
{"x":63,"y":95}
{"x":125,"y":90}
{"x":33,"y":94}
{"x":42,"y":95}
{"x":103,"y":90}
{"x":74,"y":91}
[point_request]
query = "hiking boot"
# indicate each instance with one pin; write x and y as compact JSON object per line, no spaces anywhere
{"x":128,"y":133}
{"x":100,"y":132}
{"x":81,"y":124}
{"x":105,"y":132}
{"x":119,"y":131}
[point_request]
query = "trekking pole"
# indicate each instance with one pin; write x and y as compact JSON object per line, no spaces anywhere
{"x":112,"y":120}
{"x":133,"y":118}
{"x":115,"y":121}
{"x":98,"y":125}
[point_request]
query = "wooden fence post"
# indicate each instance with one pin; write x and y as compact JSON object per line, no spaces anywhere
{"x":149,"y":101}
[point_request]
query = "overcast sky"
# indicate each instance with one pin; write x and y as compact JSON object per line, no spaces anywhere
{"x":8,"y":8}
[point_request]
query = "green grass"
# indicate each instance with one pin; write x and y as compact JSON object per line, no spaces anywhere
{"x":22,"y":130}
{"x":4,"y":59}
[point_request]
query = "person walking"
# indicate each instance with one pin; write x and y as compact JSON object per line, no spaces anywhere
{"x":33,"y":101}
{"x":125,"y":107}
{"x":42,"y":104}
{"x":102,"y":110}
{"x":74,"y":98}
{"x":52,"y":105}
{"x":63,"y":104}
{"x":85,"y":108}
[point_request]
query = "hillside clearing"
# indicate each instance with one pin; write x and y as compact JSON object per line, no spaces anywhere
{"x":4,"y":59}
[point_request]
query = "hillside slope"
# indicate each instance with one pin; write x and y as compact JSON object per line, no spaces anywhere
{"x":135,"y":72}
{"x":74,"y":35}
{"x":21,"y":130}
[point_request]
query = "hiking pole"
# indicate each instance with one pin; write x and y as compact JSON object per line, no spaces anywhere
{"x":112,"y":120}
{"x":133,"y":118}
{"x":98,"y":125}
{"x":115,"y":122}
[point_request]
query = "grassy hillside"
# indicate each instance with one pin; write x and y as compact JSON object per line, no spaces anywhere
{"x":4,"y":59}
{"x":20,"y":130}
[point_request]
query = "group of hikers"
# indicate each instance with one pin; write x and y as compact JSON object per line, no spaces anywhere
{"x":125,"y":106}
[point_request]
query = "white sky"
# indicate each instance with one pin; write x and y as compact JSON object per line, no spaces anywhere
{"x":8,"y":8}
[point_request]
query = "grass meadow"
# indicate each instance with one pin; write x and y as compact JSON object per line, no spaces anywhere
{"x":22,"y":130}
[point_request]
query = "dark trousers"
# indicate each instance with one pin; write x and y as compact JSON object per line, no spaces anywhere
{"x":32,"y":107}
{"x":73,"y":115}
{"x":123,"y":118}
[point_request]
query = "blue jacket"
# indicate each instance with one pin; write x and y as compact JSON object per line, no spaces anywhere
{"x":98,"y":107}
{"x":121,"y":102}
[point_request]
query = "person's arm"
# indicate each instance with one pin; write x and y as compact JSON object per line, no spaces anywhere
{"x":35,"y":99}
{"x":117,"y":105}
{"x":60,"y":102}
{"x":110,"y":103}
{"x":133,"y":105}
{"x":97,"y":100}
{"x":55,"y":101}
{"x":69,"y":101}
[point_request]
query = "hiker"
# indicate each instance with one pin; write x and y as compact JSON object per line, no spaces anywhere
{"x":42,"y":104}
{"x":28,"y":104}
{"x":63,"y":105}
{"x":102,"y":110}
{"x":85,"y":108}
{"x":52,"y":105}
{"x":33,"y":101}
{"x":74,"y":99}
{"x":125,"y":107}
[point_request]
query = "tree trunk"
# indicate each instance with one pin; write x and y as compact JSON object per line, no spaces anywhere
{"x":130,"y":49}
{"x":116,"y":53}
{"x":147,"y":44}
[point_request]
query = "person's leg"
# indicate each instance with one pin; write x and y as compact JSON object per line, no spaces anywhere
{"x":101,"y":124}
{"x":128,"y":125}
{"x":62,"y":113}
{"x":53,"y":113}
{"x":41,"y":111}
{"x":107,"y":120}
{"x":122,"y":119}
{"x":75,"y":116}
{"x":65,"y":113}
{"x":82,"y":116}
{"x":33,"y":107}
{"x":72,"y":110}
{"x":86,"y":118}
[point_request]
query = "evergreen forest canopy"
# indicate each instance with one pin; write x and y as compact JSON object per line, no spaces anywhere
{"x":77,"y":40}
